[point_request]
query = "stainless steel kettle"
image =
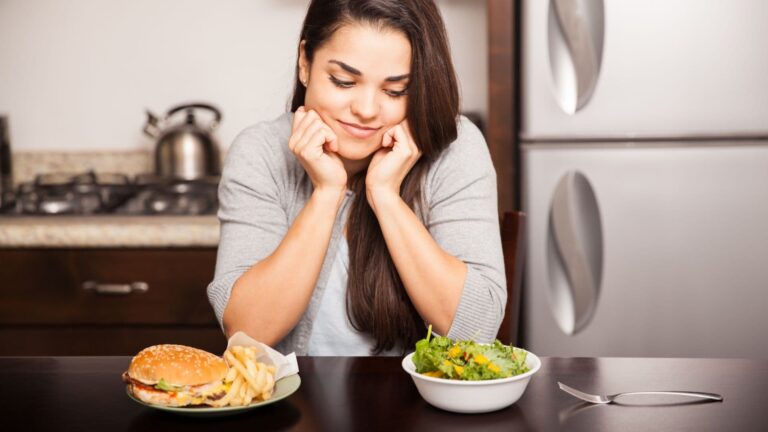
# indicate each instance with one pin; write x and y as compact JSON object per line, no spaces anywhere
{"x":185,"y":150}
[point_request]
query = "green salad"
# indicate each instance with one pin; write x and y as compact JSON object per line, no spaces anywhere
{"x":441,"y":357}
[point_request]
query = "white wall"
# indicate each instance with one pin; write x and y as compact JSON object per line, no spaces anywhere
{"x":78,"y":74}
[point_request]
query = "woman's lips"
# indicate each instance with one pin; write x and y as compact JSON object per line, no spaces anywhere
{"x":358,"y":131}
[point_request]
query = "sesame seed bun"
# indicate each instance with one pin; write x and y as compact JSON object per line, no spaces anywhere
{"x":177,"y":365}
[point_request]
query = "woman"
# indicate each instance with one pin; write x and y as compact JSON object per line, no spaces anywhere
{"x":370,"y":210}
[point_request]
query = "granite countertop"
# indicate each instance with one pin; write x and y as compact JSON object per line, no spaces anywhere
{"x":108,"y":231}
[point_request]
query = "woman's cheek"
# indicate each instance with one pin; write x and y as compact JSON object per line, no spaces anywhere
{"x":391,"y":116}
{"x":394,"y":111}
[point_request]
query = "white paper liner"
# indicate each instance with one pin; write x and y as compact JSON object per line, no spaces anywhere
{"x":285,"y":365}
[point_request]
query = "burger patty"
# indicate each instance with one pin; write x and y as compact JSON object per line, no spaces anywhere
{"x":216,"y":396}
{"x":189,"y":394}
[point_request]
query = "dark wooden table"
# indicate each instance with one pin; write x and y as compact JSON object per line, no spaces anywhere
{"x":339,"y":394}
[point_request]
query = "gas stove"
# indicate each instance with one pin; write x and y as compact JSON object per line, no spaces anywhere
{"x":92,"y":193}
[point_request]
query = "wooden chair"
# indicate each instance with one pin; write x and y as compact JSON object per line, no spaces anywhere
{"x":513,"y":246}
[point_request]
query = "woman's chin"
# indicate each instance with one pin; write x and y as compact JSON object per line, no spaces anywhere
{"x":355,"y":162}
{"x":356,"y":152}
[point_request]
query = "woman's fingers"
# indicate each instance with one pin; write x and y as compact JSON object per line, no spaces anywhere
{"x":304,"y":133}
{"x":332,"y":140}
{"x":297,"y":117}
{"x":386,"y":142}
{"x":314,"y":144}
{"x":401,"y":139}
{"x":313,"y":148}
{"x":392,"y":162}
{"x":407,"y":131}
{"x":401,"y":143}
{"x":408,"y":145}
{"x":309,"y":119}
{"x":306,"y":128}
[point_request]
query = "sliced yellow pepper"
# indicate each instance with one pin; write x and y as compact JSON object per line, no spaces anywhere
{"x":454,"y":351}
{"x":481,"y":359}
{"x":459,"y":370}
{"x":493,"y":368}
{"x":434,"y":374}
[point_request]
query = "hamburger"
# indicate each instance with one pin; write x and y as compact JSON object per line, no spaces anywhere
{"x":176,"y":375}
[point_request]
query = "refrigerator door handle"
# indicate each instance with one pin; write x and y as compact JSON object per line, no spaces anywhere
{"x":575,"y":252}
{"x":575,"y":37}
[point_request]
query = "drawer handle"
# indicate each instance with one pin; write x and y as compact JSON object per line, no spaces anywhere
{"x":115,"y":289}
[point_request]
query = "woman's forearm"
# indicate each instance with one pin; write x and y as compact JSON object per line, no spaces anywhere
{"x":433,"y":278}
{"x":269,"y":299}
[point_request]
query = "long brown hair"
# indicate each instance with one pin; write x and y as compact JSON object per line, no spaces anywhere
{"x":377,"y":302}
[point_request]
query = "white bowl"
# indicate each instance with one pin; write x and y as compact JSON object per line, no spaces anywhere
{"x":472,"y":396}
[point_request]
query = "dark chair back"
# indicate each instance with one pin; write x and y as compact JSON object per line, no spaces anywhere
{"x":513,"y":245}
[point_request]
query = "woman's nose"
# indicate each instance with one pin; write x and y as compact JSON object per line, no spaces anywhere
{"x":365,"y":104}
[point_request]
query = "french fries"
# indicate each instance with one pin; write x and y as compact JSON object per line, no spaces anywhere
{"x":251,"y":380}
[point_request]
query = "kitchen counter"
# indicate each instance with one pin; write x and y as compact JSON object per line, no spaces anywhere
{"x":102,"y":231}
{"x":108,"y":231}
{"x":353,"y":393}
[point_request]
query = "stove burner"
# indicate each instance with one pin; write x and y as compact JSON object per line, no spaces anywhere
{"x":180,"y":197}
{"x":96,"y":193}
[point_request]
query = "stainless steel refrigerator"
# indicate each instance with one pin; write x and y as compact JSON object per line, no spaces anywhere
{"x":644,"y":153}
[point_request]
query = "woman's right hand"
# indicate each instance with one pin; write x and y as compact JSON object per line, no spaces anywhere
{"x":315,"y":145}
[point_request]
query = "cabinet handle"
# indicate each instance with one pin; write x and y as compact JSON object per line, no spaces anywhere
{"x":115,"y":289}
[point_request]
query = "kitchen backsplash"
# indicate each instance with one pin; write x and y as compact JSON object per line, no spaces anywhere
{"x":26,"y":165}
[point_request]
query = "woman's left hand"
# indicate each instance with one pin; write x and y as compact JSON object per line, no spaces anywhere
{"x":390,"y":164}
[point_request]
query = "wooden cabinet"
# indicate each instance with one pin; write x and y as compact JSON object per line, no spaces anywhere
{"x":105,"y":301}
{"x":503,"y":103}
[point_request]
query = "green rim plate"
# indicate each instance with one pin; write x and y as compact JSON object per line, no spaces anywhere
{"x":283,"y":388}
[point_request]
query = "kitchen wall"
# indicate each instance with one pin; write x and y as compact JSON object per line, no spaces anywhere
{"x":77,"y":75}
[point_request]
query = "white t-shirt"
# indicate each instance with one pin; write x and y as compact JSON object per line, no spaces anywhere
{"x":332,"y":333}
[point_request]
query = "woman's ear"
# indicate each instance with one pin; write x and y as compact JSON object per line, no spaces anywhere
{"x":303,"y":64}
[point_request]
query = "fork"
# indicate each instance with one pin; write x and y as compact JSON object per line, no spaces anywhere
{"x":606,"y":399}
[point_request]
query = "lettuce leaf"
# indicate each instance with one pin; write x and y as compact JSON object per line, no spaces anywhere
{"x":467,"y":360}
{"x":162,"y":385}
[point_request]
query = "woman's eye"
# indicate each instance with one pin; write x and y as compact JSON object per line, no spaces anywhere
{"x":339,"y":83}
{"x":348,"y":84}
{"x":396,"y":93}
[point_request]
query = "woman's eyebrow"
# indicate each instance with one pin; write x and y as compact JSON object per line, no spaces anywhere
{"x":357,"y":72}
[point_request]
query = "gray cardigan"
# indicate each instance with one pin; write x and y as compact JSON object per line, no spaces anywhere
{"x":263,"y":188}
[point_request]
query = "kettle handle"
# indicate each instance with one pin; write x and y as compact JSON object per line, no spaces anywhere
{"x":213,"y":109}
